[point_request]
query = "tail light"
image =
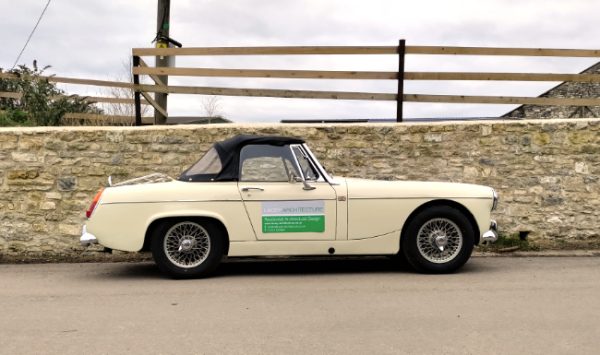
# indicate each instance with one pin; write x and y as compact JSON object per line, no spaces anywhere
{"x":90,"y":210}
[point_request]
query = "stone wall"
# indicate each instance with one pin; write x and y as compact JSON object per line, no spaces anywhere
{"x":546,"y":172}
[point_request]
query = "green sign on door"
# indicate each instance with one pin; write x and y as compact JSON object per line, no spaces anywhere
{"x":293,"y":216}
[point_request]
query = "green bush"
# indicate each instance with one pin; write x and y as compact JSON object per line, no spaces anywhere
{"x":42,"y":104}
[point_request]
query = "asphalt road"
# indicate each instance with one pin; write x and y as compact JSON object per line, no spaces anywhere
{"x":494,"y":306}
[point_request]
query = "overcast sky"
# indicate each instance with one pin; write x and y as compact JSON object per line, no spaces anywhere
{"x":93,"y":39}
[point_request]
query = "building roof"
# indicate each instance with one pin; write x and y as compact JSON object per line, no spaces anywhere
{"x":196,"y":120}
{"x":564,"y":89}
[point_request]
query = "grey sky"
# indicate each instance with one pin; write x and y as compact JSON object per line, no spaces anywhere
{"x":92,"y":39}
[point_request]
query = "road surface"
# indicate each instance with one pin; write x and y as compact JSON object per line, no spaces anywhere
{"x":493,"y":306}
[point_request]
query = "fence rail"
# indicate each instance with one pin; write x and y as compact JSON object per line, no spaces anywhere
{"x":365,"y":50}
{"x":266,"y":73}
{"x":67,"y":80}
{"x":11,"y":95}
{"x":364,"y":75}
{"x":74,"y":117}
{"x":299,"y":94}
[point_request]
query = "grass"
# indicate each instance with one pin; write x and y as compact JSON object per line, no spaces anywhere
{"x":508,"y":242}
{"x":15,"y":118}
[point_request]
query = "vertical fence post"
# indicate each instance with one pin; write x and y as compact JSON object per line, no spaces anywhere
{"x":400,"y":97}
{"x":136,"y":93}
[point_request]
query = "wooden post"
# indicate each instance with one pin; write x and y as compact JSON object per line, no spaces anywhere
{"x":162,"y":31}
{"x":400,"y":97}
{"x":136,"y":93}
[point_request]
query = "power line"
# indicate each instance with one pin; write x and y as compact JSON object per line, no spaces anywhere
{"x":31,"y":34}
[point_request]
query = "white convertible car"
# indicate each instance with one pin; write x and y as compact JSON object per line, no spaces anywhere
{"x":269,"y":196}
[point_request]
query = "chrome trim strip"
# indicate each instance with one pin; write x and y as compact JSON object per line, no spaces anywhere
{"x":287,"y":199}
{"x":418,"y":198}
{"x":168,"y":201}
{"x":192,"y":201}
{"x":292,"y":199}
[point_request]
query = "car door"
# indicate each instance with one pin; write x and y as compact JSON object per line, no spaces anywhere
{"x":284,"y":196}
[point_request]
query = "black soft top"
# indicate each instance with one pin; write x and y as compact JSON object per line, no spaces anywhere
{"x":229,"y":154}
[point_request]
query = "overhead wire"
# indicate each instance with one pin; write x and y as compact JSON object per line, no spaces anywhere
{"x":31,"y":34}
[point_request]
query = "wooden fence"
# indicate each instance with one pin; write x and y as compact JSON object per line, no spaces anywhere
{"x":141,"y":68}
{"x":142,"y":91}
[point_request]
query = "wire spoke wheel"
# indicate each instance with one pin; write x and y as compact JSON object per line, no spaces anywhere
{"x":186,"y":244}
{"x":439,"y":240}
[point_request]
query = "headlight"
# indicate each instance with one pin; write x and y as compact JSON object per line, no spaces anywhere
{"x":495,"y":203}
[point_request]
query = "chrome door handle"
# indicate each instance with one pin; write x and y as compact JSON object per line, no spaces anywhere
{"x":246,"y":189}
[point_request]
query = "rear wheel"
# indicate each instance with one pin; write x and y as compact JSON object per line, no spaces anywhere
{"x":187,"y":248}
{"x":438,"y":240}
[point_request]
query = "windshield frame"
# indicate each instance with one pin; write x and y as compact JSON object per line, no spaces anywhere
{"x":318,"y":165}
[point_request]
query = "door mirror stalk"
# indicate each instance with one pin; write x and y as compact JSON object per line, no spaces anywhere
{"x":294,"y":178}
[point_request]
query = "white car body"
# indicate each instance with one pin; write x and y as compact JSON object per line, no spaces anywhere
{"x":346,"y":216}
{"x":362,"y":216}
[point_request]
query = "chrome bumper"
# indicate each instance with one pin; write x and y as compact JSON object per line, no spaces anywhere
{"x":491,"y":235}
{"x":86,"y":238}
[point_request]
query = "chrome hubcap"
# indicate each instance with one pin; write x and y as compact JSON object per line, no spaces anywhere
{"x":187,"y":244}
{"x":439,"y":240}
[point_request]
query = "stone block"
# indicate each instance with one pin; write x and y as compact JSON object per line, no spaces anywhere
{"x":29,"y":144}
{"x":53,"y":195}
{"x":581,"y":168}
{"x":541,"y":138}
{"x":48,"y":205}
{"x":23,"y":174}
{"x":431,"y":137}
{"x":69,"y":229}
{"x":67,"y":183}
{"x":486,"y":130}
{"x":24,"y":157}
{"x":470,"y":172}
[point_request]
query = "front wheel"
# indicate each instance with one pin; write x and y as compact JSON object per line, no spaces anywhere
{"x":187,"y":248}
{"x":439,"y":239}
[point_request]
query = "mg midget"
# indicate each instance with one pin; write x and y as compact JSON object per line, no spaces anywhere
{"x":270,"y":196}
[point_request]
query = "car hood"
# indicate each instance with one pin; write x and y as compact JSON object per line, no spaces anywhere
{"x":363,"y":188}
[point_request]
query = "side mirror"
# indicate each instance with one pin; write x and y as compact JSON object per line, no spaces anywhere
{"x":294,"y":178}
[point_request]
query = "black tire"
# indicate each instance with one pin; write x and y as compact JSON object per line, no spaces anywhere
{"x":399,"y":261}
{"x":187,"y":248}
{"x":453,"y":232}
